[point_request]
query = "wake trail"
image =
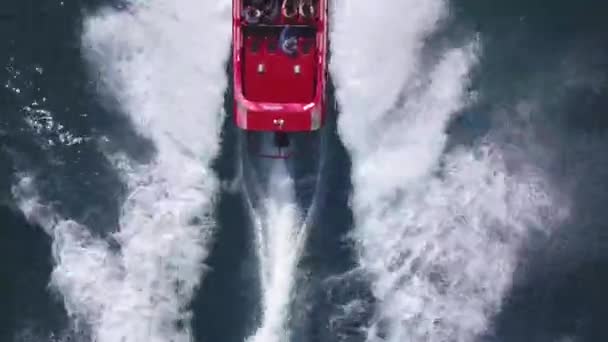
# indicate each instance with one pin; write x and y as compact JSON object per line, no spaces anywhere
{"x":438,"y":241}
{"x":281,"y":236}
{"x":163,"y":61}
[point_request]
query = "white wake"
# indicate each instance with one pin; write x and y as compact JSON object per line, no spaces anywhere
{"x":163,"y":60}
{"x":440,"y":247}
{"x":281,"y":236}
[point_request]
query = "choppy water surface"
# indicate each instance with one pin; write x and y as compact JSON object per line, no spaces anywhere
{"x":456,"y":194}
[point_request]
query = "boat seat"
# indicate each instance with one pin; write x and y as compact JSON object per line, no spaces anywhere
{"x":272,"y":44}
{"x":306,"y":45}
{"x":253,"y":44}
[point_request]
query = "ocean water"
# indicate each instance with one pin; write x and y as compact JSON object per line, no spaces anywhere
{"x":458,"y":192}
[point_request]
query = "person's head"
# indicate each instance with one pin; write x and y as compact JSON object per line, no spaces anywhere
{"x":290,"y":46}
{"x":252,"y":15}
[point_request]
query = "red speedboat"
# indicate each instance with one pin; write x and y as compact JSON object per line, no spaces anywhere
{"x":279,"y":67}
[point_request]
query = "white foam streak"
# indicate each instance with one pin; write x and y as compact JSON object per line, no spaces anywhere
{"x":280,"y":248}
{"x":413,"y":137}
{"x":170,"y":51}
{"x":443,"y":254}
{"x":164,"y":62}
{"x":440,"y":249}
{"x":374,"y":55}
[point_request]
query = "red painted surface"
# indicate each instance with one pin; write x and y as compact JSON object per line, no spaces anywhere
{"x":262,"y":100}
{"x":279,"y":82}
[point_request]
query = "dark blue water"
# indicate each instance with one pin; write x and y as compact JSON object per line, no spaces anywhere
{"x":548,"y":59}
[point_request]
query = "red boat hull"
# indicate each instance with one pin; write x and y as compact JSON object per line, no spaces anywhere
{"x":273,"y":91}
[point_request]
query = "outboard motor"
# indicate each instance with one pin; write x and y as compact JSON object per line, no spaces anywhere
{"x":281,"y":140}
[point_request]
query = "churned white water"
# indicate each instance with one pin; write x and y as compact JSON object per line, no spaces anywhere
{"x":164,"y":62}
{"x":440,"y":248}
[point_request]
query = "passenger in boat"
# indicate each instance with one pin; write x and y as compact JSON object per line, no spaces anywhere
{"x":252,"y":15}
{"x":289,"y":9}
{"x":261,"y":11}
{"x":271,"y":10}
{"x":306,"y":9}
{"x":288,"y":41}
